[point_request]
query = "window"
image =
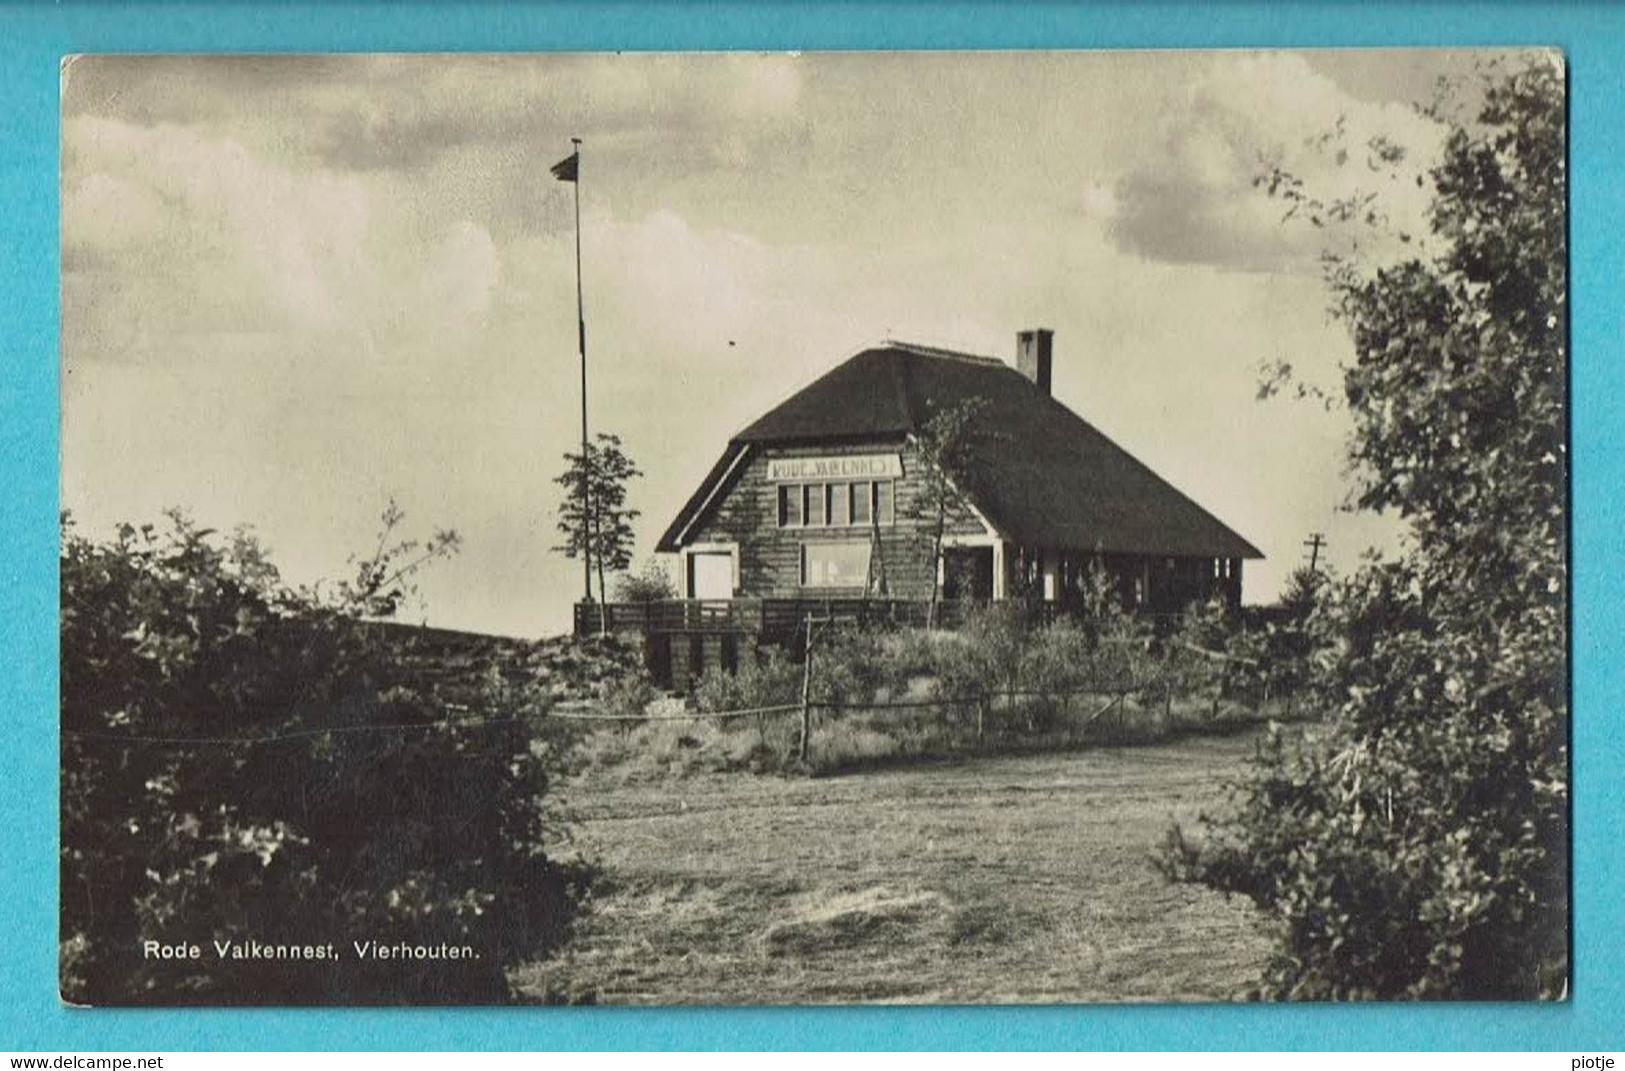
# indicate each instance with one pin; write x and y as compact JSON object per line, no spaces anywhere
{"x":837,"y":505}
{"x":861,"y":502}
{"x":835,"y":565}
{"x":840,"y":506}
{"x":790,"y":505}
{"x":885,"y":506}
{"x":817,"y":493}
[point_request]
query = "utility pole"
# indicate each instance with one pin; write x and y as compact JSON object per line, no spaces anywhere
{"x":1315,"y":542}
{"x":806,"y":693}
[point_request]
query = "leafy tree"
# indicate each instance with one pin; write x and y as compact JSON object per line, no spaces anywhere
{"x":1418,"y":847}
{"x":651,"y":584}
{"x":243,"y":760}
{"x":945,"y":448}
{"x":1285,"y":649}
{"x":1305,"y":589}
{"x":594,"y":518}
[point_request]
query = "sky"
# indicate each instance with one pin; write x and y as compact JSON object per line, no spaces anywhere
{"x":294,"y":288}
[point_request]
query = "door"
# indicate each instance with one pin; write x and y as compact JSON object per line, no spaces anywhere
{"x":967,"y":572}
{"x":711,"y":575}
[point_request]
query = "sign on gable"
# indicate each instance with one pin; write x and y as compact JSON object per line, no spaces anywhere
{"x":835,"y":467}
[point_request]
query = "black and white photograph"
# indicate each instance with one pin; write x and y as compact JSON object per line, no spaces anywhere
{"x":1008,"y":527}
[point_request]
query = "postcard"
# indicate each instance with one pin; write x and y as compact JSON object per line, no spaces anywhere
{"x":809,"y":528}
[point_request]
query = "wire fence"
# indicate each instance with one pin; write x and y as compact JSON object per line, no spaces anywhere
{"x":1003,"y":707}
{"x":1188,"y":688}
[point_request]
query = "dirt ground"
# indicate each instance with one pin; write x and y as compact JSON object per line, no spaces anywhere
{"x":1006,"y":879}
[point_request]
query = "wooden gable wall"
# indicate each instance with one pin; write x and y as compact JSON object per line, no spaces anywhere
{"x":746,"y":515}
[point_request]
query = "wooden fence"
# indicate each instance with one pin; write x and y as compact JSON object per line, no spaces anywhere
{"x":769,"y":617}
{"x":780,"y":619}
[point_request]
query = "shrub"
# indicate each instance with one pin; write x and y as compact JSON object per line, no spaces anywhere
{"x":1418,"y":847}
{"x":221,"y":781}
{"x":986,"y":660}
{"x":914,"y":652}
{"x":629,"y":695}
{"x":764,"y":678}
{"x":1059,"y":657}
{"x":652,"y":583}
{"x":852,"y":667}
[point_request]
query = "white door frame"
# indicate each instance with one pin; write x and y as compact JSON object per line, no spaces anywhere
{"x":975,"y":541}
{"x":730,"y":549}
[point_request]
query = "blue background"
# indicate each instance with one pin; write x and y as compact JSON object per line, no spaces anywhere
{"x":34,"y":38}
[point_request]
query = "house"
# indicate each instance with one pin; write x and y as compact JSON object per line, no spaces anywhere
{"x":813,"y":501}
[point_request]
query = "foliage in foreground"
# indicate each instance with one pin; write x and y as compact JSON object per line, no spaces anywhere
{"x":1419,"y":848}
{"x":328,"y":830}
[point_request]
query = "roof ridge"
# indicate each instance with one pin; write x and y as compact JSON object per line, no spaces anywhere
{"x":938,"y":351}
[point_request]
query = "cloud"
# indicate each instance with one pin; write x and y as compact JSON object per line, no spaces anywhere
{"x":167,"y":231}
{"x":290,"y":292}
{"x":463,"y":271}
{"x":407,"y":113}
{"x":1195,"y":198}
{"x":254,"y":244}
{"x":185,"y":89}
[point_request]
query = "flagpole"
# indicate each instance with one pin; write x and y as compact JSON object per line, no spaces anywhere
{"x":581,"y":346}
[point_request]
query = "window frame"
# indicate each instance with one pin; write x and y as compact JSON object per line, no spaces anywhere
{"x":791,"y":497}
{"x":862,"y":504}
{"x":819,"y":493}
{"x":886,"y":518}
{"x":837,"y":492}
{"x":862,"y":491}
{"x":851,"y":546}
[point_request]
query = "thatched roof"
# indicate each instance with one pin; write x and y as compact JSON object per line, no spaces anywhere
{"x":1044,"y":476}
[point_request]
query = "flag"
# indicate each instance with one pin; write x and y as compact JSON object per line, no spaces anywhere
{"x":566,"y":169}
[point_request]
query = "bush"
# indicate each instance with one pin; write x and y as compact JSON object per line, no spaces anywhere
{"x":221,"y":783}
{"x":985,"y":659}
{"x":915,"y":652}
{"x":629,"y":695}
{"x":1286,"y":646}
{"x":853,"y":667}
{"x":1059,"y":657}
{"x":764,"y":678}
{"x":1418,"y":847}
{"x":651,"y":584}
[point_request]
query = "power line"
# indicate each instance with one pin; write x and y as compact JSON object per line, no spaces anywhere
{"x":297,"y":734}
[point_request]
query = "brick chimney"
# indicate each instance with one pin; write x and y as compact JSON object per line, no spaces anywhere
{"x":1033,"y":351}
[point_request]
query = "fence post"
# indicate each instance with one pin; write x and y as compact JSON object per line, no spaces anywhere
{"x":1167,"y":686}
{"x":806,"y":691}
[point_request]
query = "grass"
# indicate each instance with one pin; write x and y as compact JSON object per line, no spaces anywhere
{"x":1008,"y":879}
{"x":866,"y":737}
